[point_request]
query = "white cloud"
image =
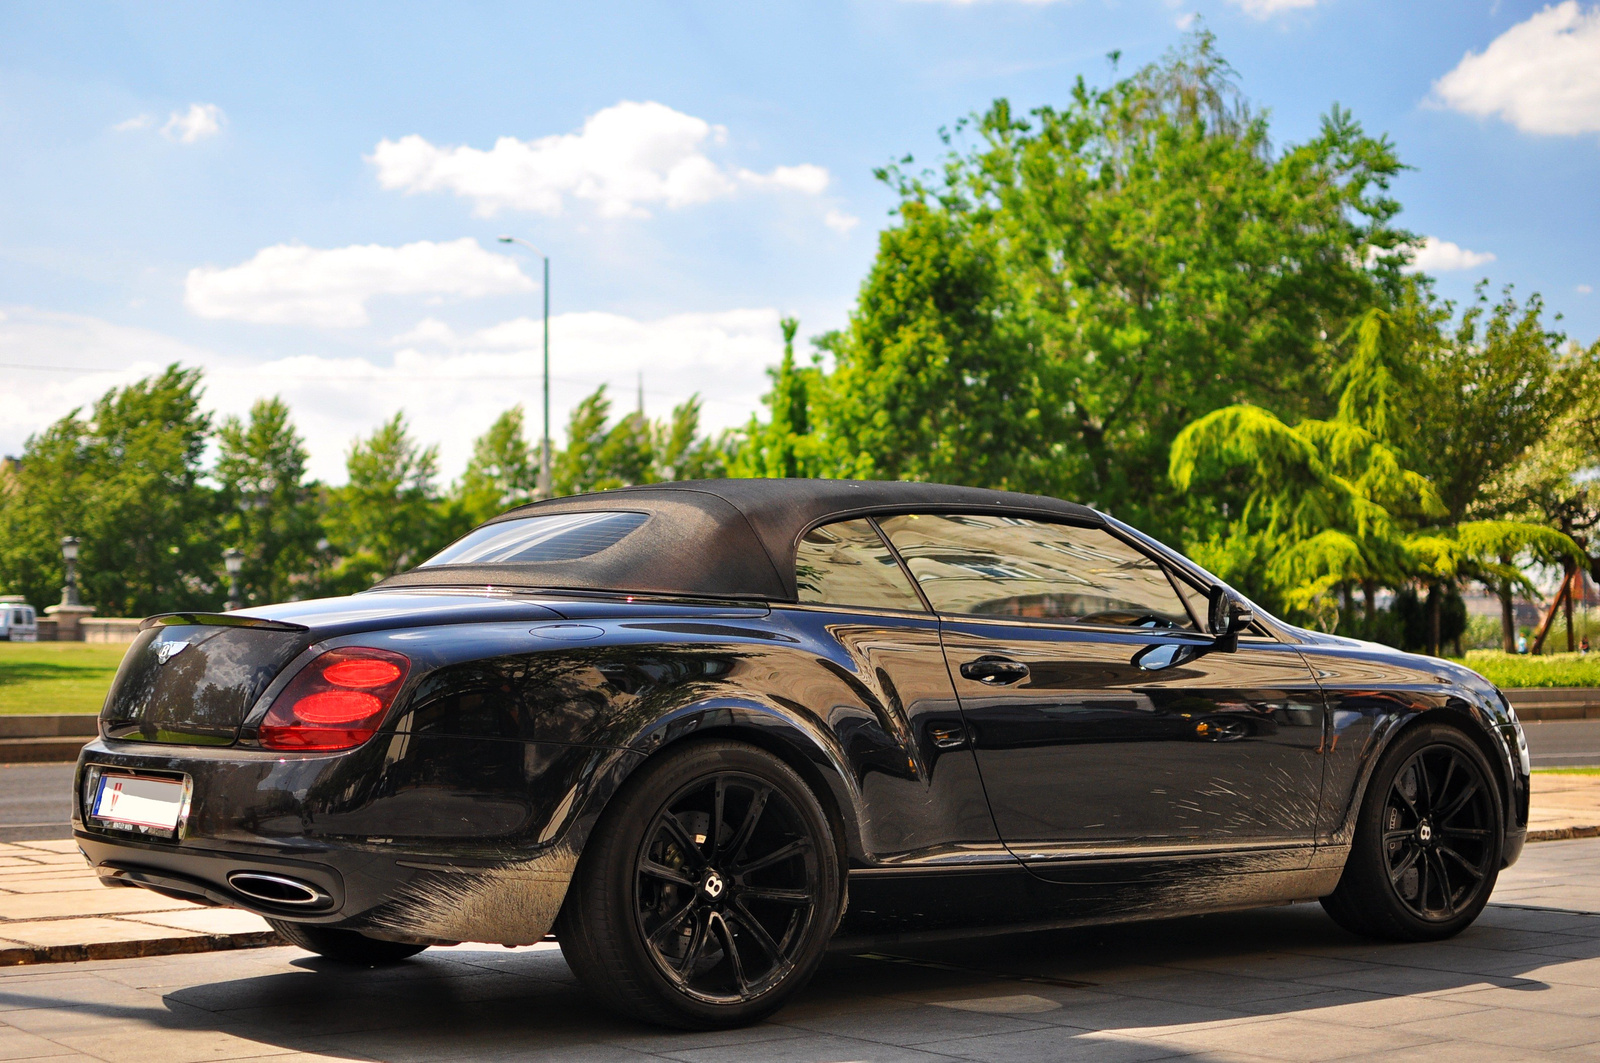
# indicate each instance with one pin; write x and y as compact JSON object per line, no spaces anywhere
{"x":451,"y":385}
{"x":1442,"y":256}
{"x":136,"y":123}
{"x":840,"y":222}
{"x":290,"y":284}
{"x":1268,"y":8}
{"x":200,"y":121}
{"x":1541,"y":75}
{"x":1585,"y":289}
{"x":625,"y":158}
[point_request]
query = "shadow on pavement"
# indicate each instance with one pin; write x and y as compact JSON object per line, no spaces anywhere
{"x":1195,"y":988}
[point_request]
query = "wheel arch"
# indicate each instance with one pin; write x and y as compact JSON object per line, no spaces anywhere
{"x":1458,"y":715}
{"x":800,"y":744}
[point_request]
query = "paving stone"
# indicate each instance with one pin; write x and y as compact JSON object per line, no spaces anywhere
{"x":1294,"y":1038}
{"x":78,"y":903}
{"x":1492,"y":1027}
{"x":205,"y":921}
{"x":83,"y":931}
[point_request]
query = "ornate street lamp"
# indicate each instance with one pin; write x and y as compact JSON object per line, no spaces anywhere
{"x":233,"y":560}
{"x":69,"y":551}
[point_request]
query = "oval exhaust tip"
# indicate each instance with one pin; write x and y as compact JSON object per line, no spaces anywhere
{"x":277,"y":889}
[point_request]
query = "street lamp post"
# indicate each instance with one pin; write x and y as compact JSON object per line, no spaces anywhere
{"x":69,"y":551}
{"x":233,"y":561}
{"x":543,"y":489}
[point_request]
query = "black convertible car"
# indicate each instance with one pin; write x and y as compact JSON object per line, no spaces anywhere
{"x":700,"y":731}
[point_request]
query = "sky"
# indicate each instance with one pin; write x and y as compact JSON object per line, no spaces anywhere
{"x":305,"y":199}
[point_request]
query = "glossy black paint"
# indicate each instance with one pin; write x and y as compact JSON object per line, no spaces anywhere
{"x":1087,"y":789}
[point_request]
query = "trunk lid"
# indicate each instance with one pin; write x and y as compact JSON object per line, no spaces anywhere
{"x":191,"y":678}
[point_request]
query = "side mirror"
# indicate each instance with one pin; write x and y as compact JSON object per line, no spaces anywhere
{"x":1163,"y":655}
{"x":1227,"y":614}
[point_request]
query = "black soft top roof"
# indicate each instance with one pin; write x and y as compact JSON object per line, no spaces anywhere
{"x":723,"y":538}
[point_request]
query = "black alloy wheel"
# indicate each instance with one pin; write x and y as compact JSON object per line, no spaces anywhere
{"x":1437,"y":824}
{"x":1427,"y":845}
{"x":726,"y":888}
{"x":708,"y":891}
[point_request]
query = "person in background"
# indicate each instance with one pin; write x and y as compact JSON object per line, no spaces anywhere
{"x":1522,"y":643}
{"x":1583,"y":644}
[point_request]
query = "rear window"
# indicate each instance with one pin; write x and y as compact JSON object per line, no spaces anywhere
{"x":548,"y":537}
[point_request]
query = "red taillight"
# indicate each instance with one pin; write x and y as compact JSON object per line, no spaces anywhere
{"x":336,"y":702}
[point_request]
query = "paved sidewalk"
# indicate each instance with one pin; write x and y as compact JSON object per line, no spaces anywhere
{"x":1279,"y":984}
{"x":53,"y":908}
{"x":1564,"y":806}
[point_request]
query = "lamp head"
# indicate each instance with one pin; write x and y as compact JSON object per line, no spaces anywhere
{"x":69,"y":548}
{"x":233,"y":560}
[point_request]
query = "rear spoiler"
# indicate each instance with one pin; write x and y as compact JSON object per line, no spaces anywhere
{"x":219,"y":620}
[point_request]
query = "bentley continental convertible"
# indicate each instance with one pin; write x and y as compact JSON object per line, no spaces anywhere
{"x":702,"y":732}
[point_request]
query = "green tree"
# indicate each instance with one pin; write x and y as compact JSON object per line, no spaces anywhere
{"x":502,"y":472}
{"x":601,"y":454}
{"x":782,"y":446}
{"x":386,"y":518}
{"x":1075,"y":286}
{"x":127,"y":481}
{"x":269,"y":511}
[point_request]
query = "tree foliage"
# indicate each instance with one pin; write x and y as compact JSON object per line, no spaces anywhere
{"x":126,"y":481}
{"x":269,"y":511}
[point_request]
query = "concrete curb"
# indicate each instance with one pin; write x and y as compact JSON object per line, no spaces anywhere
{"x":19,"y":956}
{"x":1563,"y":834}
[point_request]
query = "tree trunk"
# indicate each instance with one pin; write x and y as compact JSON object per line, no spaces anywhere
{"x":1574,"y":584}
{"x":1508,"y":619}
{"x":1435,"y":605}
{"x":1369,"y":591}
{"x":1347,"y":597}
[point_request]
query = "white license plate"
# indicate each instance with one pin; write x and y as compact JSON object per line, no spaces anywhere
{"x":139,"y":801}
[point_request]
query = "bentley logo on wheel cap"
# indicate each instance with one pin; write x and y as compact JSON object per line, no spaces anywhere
{"x":1425,"y":833}
{"x":713,"y":885}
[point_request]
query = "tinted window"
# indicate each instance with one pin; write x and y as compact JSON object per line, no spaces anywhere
{"x":550,"y":537}
{"x":848,"y":564}
{"x":1010,"y":566}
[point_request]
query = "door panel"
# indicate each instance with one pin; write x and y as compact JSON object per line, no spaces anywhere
{"x":1090,"y":754}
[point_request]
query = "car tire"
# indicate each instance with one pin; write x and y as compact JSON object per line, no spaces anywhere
{"x":679,"y":924}
{"x":1427,"y":845}
{"x":344,"y":946}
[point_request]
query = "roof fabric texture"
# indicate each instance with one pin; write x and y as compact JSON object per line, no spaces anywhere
{"x":722,"y":538}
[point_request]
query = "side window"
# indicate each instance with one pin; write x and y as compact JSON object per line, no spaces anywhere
{"x":1011,"y":566}
{"x":848,"y":564}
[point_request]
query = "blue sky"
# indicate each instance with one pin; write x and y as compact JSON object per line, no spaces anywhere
{"x":304,"y":198}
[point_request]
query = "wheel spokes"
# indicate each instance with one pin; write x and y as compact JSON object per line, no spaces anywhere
{"x":758,"y":932}
{"x":1459,"y":804}
{"x":1446,"y":894}
{"x":656,"y":869}
{"x":1405,"y":864}
{"x":681,"y":835}
{"x":1466,"y":865}
{"x":778,"y":896}
{"x":670,"y":925}
{"x":778,"y":855}
{"x":752,"y":819}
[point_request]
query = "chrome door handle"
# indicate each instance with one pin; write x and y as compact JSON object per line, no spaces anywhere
{"x":995,"y":671}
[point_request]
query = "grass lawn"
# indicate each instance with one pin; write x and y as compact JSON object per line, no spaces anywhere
{"x":1508,"y":670}
{"x":56,"y":676}
{"x":1567,"y":771}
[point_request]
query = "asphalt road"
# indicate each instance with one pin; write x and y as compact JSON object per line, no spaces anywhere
{"x":36,"y":799}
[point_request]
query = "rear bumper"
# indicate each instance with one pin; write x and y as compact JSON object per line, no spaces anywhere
{"x":417,"y":898}
{"x":409,"y":837}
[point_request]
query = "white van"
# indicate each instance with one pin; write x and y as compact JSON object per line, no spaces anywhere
{"x":17,"y":620}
